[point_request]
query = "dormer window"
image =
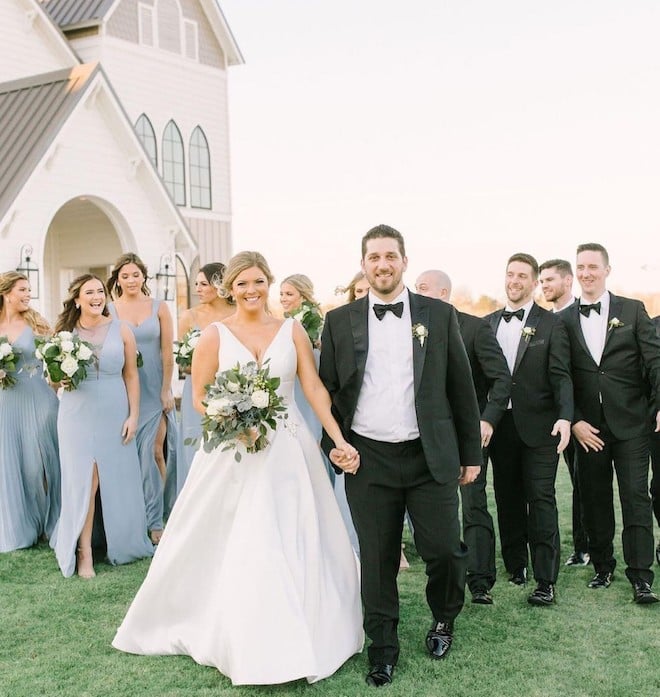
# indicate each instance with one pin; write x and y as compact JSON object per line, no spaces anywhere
{"x":163,"y":25}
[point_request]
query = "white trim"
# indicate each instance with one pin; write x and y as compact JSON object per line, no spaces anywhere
{"x":148,"y":10}
{"x":193,"y":54}
{"x":206,"y":214}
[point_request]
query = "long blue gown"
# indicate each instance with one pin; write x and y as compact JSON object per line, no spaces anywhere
{"x":29,"y":460}
{"x":190,"y":426}
{"x":158,"y":496}
{"x":89,"y":426}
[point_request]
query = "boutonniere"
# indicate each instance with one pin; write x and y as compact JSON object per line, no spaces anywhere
{"x":527,"y":333}
{"x":614,"y":323}
{"x":420,"y":332}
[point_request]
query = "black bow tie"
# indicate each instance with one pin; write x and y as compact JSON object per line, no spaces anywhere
{"x":518,"y":314}
{"x":396,"y":309}
{"x":586,"y":309}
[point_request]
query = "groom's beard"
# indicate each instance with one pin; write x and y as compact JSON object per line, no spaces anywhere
{"x":385,"y":285}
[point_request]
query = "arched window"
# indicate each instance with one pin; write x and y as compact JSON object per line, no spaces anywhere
{"x":200,"y":170}
{"x":174,"y":173}
{"x":147,"y":135}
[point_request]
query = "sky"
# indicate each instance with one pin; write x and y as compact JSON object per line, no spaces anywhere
{"x":475,"y":128}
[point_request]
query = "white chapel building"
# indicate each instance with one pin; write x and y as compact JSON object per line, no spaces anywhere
{"x":114,"y":138}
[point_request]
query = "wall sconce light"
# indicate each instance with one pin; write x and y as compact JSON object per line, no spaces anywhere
{"x":164,"y":276}
{"x":29,"y":269}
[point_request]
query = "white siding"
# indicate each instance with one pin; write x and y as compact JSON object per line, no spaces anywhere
{"x":29,"y":45}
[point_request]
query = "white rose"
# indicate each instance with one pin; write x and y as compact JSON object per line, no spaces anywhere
{"x":184,"y":350}
{"x":217,"y":406}
{"x":260,"y":399}
{"x":5,"y":349}
{"x":84,"y":352}
{"x":67,"y":346}
{"x":65,"y":335}
{"x":47,"y":346}
{"x":3,"y":374}
{"x":38,"y":354}
{"x":192,"y":342}
{"x":232,"y":386}
{"x":69,"y":366}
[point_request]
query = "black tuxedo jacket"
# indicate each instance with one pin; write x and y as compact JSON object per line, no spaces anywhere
{"x":630,"y":362}
{"x":445,"y":400}
{"x":490,"y":373}
{"x":541,"y":386}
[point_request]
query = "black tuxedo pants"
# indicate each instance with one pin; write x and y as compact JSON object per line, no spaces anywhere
{"x":478,"y":533}
{"x":580,"y":542}
{"x":394,"y":477}
{"x":630,"y":459}
{"x":524,"y":483}
{"x":655,"y":479}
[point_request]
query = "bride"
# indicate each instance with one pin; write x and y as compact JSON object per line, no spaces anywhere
{"x":255,"y":574}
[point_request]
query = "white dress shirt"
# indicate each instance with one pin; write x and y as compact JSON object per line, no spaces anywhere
{"x":385,"y":408}
{"x":509,"y":333}
{"x":594,"y":327}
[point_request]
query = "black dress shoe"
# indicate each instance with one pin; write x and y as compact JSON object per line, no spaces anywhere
{"x":578,"y":559}
{"x":543,"y":594}
{"x":380,"y":674}
{"x":602,"y":579}
{"x":642,"y":593}
{"x":519,"y":577}
{"x":439,"y":638}
{"x":482,"y":596}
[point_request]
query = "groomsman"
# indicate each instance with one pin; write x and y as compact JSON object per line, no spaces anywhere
{"x":614,"y":348}
{"x":492,"y":383}
{"x":556,"y":281}
{"x":655,"y":464}
{"x":525,"y":447}
{"x":401,"y":388}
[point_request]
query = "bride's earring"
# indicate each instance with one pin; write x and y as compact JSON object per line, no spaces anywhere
{"x":77,"y":306}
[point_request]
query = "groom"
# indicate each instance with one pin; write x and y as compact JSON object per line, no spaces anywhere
{"x":401,"y":388}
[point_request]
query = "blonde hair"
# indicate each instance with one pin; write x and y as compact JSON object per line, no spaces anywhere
{"x":67,"y":319}
{"x":242,"y":262}
{"x":35,"y":321}
{"x":303,"y":285}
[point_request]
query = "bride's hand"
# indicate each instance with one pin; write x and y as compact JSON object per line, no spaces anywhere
{"x":346,"y":457}
{"x":249,"y":437}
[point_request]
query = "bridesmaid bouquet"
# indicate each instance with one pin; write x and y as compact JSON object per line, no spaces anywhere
{"x":66,"y":358}
{"x":8,"y":357}
{"x":183,"y":350}
{"x":240,"y":406}
{"x":309,"y":315}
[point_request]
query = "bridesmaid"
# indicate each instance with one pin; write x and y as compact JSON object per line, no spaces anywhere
{"x":211,"y":308}
{"x":29,"y":461}
{"x":356,"y":289}
{"x":151,"y":323}
{"x":96,"y":425}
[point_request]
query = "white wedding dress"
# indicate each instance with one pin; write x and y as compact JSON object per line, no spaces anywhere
{"x":254,"y":574}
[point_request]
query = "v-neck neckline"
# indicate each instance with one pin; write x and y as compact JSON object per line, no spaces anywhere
{"x":266,"y":350}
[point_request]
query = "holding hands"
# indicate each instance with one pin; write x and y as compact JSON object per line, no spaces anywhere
{"x":346,"y":457}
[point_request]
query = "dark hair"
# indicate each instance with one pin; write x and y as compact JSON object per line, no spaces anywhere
{"x":114,"y":288}
{"x":350,"y":288}
{"x":71,"y":314}
{"x":563,"y":267}
{"x":380,"y":232}
{"x":594,"y":247}
{"x":214,"y":272}
{"x":525,"y":259}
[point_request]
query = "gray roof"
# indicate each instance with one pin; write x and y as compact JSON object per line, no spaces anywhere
{"x":32,"y":111}
{"x":71,"y":13}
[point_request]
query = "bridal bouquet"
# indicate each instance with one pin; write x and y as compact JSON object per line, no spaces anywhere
{"x":309,"y":315}
{"x":240,"y":406}
{"x":8,"y":357}
{"x":66,"y":358}
{"x":183,"y":350}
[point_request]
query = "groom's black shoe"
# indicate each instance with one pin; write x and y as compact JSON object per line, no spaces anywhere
{"x":380,"y":674}
{"x":439,"y":638}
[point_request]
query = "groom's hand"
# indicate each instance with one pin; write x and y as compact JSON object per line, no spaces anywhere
{"x":468,"y":475}
{"x":346,"y":458}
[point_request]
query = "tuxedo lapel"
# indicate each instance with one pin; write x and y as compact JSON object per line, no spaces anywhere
{"x":494,"y":319}
{"x":616,"y":308}
{"x":532,"y":320}
{"x":418,"y":315}
{"x":358,"y":312}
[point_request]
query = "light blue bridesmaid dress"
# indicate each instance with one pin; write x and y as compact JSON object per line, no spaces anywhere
{"x":29,"y":460}
{"x":158,"y":497}
{"x":190,"y":426}
{"x":89,"y":427}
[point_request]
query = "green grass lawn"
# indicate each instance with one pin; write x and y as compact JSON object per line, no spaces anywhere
{"x":55,"y":636}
